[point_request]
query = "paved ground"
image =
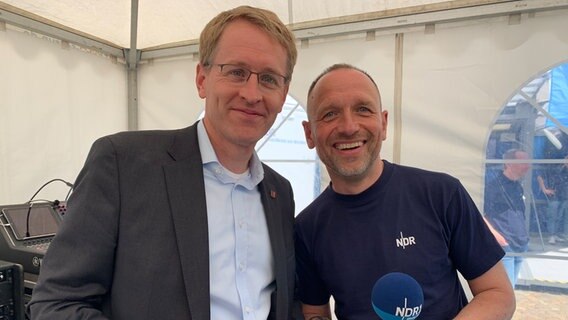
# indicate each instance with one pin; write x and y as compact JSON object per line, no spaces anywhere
{"x":545,"y":264}
{"x":549,"y":274}
{"x":541,"y":305}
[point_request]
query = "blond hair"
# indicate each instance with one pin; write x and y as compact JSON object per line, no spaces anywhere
{"x":266,"y":20}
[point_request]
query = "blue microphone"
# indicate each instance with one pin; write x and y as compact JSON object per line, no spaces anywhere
{"x":397,"y":296}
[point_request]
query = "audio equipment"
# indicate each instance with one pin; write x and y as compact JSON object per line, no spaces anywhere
{"x":26,"y":230}
{"x":11,"y":291}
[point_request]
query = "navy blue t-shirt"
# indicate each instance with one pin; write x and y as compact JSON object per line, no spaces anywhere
{"x":413,"y":221}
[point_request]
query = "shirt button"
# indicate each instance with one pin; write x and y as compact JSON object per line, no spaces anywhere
{"x":248,"y":309}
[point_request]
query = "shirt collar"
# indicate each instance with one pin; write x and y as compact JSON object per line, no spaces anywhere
{"x":208,"y":156}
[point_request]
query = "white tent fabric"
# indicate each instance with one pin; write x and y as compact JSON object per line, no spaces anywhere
{"x":443,"y":83}
{"x":163,"y":22}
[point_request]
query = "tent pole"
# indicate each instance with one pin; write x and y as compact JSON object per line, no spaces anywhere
{"x":397,"y":114}
{"x":132,"y":99}
{"x":132,"y":58}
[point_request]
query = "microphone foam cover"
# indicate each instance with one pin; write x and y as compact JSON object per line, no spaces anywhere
{"x":397,"y":296}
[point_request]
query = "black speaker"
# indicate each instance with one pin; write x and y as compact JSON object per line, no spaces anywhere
{"x":11,"y":291}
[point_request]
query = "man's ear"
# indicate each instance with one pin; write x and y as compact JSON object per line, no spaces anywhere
{"x":308,"y":134}
{"x":385,"y":120}
{"x":200,"y":75}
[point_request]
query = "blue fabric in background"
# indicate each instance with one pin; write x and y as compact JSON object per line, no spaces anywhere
{"x":558,"y":105}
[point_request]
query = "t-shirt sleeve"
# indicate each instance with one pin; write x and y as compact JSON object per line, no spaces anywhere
{"x":311,"y":289}
{"x":473,"y":247}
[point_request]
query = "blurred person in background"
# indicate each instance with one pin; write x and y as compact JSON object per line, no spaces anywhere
{"x":553,"y":183}
{"x":504,"y":209}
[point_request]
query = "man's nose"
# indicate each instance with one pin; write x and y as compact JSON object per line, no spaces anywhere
{"x":250,"y":90}
{"x":348,"y":124}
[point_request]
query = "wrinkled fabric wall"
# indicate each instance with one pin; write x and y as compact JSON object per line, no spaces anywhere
{"x":53,"y":103}
{"x":457,"y":81}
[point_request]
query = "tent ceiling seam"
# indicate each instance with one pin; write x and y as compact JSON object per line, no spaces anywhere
{"x":33,"y":22}
{"x":399,"y":19}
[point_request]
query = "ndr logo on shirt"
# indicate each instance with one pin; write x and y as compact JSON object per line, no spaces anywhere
{"x":405,"y":241}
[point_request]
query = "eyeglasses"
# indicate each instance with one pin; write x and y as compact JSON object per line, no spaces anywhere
{"x":240,"y":75}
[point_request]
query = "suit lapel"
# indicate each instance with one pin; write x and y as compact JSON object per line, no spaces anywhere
{"x":186,"y":191}
{"x":269,"y":198}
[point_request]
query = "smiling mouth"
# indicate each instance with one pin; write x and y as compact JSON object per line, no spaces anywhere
{"x":248,"y":112}
{"x":349,"y":146}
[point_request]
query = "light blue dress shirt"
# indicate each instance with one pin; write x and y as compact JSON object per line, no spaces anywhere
{"x":241,"y":262}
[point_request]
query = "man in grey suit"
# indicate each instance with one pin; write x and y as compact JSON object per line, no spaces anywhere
{"x":186,"y":224}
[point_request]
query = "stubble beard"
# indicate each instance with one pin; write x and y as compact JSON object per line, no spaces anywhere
{"x":339,"y":167}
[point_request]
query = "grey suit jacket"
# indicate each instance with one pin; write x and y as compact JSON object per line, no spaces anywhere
{"x":134,"y":243}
